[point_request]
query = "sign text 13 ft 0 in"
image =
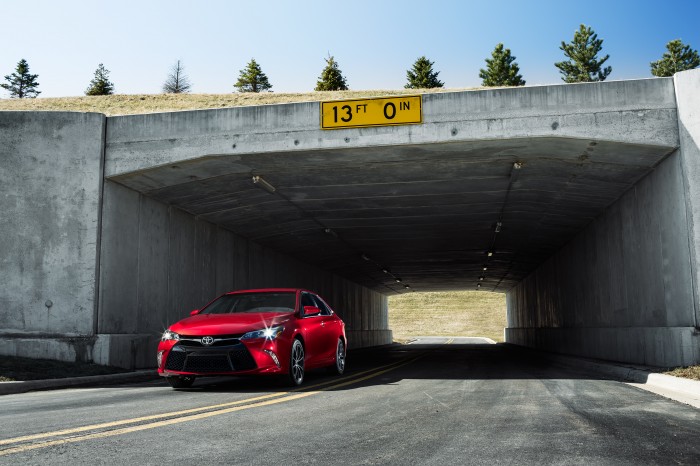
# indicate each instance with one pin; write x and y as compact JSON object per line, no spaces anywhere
{"x":361,"y":113}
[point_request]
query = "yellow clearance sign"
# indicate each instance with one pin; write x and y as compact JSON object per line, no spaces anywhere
{"x":362,"y":113}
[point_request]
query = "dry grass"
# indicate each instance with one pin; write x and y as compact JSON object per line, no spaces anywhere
{"x":462,"y":313}
{"x":17,"y":368}
{"x":151,"y":103}
{"x":691,"y":372}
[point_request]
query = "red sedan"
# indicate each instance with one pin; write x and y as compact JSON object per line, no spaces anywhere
{"x":268,"y":331}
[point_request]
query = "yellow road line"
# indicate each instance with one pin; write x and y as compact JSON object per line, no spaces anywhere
{"x":281,"y":397}
{"x":176,"y":413}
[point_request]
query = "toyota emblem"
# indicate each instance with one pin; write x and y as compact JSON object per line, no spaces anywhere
{"x":207,"y":341}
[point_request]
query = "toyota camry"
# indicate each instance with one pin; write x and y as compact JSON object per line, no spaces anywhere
{"x":268,"y":331}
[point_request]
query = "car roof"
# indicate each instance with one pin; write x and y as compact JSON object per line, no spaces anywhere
{"x":270,"y":290}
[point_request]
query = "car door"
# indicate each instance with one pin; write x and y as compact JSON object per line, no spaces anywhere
{"x":313,"y":330}
{"x":329,"y":331}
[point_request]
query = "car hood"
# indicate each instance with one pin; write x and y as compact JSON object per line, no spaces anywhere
{"x":228,"y":324}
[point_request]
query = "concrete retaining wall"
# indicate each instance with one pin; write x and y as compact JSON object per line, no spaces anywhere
{"x":637,"y":111}
{"x":687,"y":85}
{"x":623,"y":288}
{"x":159,"y":263}
{"x":51,"y":180}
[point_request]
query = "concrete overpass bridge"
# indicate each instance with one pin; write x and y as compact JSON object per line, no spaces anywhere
{"x":580,"y":202}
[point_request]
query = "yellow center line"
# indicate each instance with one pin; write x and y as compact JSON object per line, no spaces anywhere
{"x":227,"y":408}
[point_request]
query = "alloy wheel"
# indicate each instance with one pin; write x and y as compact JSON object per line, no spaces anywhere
{"x":297,"y":369}
{"x":340,"y":357}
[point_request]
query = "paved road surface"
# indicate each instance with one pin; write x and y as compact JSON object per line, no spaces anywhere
{"x":435,"y":401}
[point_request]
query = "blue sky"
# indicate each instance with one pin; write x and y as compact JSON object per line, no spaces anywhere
{"x":374,"y":42}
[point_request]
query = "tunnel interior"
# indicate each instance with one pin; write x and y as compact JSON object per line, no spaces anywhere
{"x":433,"y":217}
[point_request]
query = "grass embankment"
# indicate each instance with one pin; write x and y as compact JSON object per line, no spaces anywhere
{"x":152,"y":103}
{"x":692,"y":372}
{"x":454,"y":313}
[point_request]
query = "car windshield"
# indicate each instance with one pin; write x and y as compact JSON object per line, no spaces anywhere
{"x":252,"y":302}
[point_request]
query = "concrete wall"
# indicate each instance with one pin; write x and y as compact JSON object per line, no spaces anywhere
{"x":687,"y":85}
{"x":623,"y":288}
{"x":51,"y":180}
{"x":159,"y":262}
{"x":637,"y":111}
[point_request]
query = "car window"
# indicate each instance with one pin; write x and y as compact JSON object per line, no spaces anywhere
{"x":252,"y":302}
{"x":325,"y":310}
{"x":307,"y":300}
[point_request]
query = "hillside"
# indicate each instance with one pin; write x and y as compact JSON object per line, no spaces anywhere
{"x":454,"y":313}
{"x":152,"y":103}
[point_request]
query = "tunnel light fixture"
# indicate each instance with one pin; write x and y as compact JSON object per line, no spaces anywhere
{"x":498,"y":227}
{"x":328,"y":231}
{"x":407,"y":287}
{"x":478,"y":285}
{"x":365,"y":257}
{"x":484,"y":268}
{"x":398,"y":280}
{"x":489,"y":253}
{"x":261,"y":183}
{"x":385,"y":271}
{"x":517,"y":165}
{"x":481,"y":278}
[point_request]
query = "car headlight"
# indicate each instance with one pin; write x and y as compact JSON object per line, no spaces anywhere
{"x":169,"y":335}
{"x":269,"y":333}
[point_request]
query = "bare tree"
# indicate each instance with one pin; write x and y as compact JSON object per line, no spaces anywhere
{"x":177,"y":82}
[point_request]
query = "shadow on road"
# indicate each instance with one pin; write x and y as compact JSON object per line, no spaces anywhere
{"x":423,"y":361}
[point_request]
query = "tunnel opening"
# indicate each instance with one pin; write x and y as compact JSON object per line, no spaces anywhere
{"x":453,"y":216}
{"x":448,"y":314}
{"x":475,"y":215}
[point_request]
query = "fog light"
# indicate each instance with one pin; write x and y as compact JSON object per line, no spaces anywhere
{"x":274,"y":357}
{"x":159,"y":358}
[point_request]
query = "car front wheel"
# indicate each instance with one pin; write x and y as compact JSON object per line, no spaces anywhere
{"x":296,"y":363}
{"x":183,"y":381}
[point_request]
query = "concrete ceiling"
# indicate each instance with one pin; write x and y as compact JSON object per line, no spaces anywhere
{"x":425,"y":213}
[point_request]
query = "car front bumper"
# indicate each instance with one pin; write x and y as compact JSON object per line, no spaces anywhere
{"x":259,"y":356}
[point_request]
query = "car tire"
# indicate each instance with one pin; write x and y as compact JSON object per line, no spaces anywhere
{"x":296,"y":363}
{"x":338,"y":367}
{"x":184,"y":381}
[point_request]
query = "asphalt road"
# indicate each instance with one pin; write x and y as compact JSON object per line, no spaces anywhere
{"x":435,"y":401}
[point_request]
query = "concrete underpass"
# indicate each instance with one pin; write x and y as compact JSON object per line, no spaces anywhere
{"x":580,"y":202}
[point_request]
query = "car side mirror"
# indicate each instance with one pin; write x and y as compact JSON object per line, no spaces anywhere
{"x":195,"y":312}
{"x":310,"y":311}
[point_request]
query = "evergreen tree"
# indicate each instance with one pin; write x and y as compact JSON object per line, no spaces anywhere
{"x":21,"y":84}
{"x":583,"y":64}
{"x":100,"y":84}
{"x":501,"y":69}
{"x":252,"y":79}
{"x":678,"y":58}
{"x":331,"y":78}
{"x":422,"y":76}
{"x":177,"y":82}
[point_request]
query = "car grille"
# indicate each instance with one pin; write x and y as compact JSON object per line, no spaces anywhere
{"x":219,"y":340}
{"x":183,"y":358}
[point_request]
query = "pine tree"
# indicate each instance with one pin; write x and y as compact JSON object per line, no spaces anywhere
{"x":422,"y":76}
{"x":252,"y":79}
{"x":100,"y":84}
{"x":501,"y":69}
{"x":583,"y":64}
{"x":679,"y":57}
{"x":331,"y":78}
{"x":177,"y":82}
{"x":21,"y":84}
